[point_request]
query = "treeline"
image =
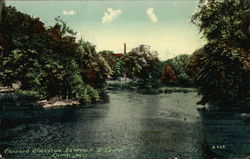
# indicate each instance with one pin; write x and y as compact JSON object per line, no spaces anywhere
{"x":220,"y":70}
{"x":48,"y":61}
{"x":143,"y":66}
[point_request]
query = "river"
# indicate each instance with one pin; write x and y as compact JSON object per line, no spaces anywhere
{"x":129,"y":126}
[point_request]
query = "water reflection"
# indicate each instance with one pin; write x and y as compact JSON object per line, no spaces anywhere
{"x":227,"y":135}
{"x":175,"y":135}
{"x":143,"y":126}
{"x":26,"y":126}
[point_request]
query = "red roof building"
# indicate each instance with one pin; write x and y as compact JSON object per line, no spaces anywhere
{"x":117,"y":55}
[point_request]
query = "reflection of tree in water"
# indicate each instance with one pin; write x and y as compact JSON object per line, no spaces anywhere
{"x":21,"y":123}
{"x":104,"y":97}
{"x":226,"y":135}
{"x":168,"y":135}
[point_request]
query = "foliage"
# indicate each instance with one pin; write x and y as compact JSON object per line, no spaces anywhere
{"x":95,"y":68}
{"x":225,"y":20}
{"x":221,"y":71}
{"x":48,"y":61}
{"x":143,"y":64}
{"x":107,"y":54}
{"x":221,"y":68}
{"x":168,"y":75}
{"x":118,"y":68}
{"x":79,"y":89}
{"x":117,"y":64}
{"x":174,"y":71}
{"x":139,"y":62}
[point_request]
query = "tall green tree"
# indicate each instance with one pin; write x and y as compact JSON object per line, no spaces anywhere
{"x":221,"y":68}
{"x":143,"y":64}
{"x":140,"y":61}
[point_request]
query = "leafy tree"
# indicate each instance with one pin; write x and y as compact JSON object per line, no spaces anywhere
{"x":117,"y":65}
{"x":48,"y":61}
{"x":107,"y":54}
{"x":95,"y":68}
{"x":225,"y":20}
{"x":221,"y":68}
{"x":142,"y":63}
{"x":118,"y":68}
{"x":174,"y":71}
{"x":79,"y":89}
{"x":168,"y":75}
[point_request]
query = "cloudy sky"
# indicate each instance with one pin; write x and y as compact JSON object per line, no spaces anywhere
{"x":164,"y":25}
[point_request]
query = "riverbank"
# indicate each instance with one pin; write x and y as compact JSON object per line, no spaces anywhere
{"x":18,"y":97}
{"x":132,"y":86}
{"x":55,"y":102}
{"x":11,"y":94}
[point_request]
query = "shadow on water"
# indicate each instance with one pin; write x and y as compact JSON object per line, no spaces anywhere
{"x":24,"y":125}
{"x":226,"y":134}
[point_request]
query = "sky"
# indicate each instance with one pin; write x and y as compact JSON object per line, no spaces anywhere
{"x":163,"y":25}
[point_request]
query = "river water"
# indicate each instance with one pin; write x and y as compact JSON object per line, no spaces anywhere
{"x":129,"y":126}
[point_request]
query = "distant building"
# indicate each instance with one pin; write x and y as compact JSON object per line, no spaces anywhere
{"x":118,"y":55}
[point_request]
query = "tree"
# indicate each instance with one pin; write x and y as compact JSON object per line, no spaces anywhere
{"x":168,"y":75}
{"x":221,"y":68}
{"x":47,"y":60}
{"x":176,"y":73}
{"x":143,"y":64}
{"x":140,"y":61}
{"x":225,"y":20}
{"x":95,"y":68}
{"x":116,"y":63}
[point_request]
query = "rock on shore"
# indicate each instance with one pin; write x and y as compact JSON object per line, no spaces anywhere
{"x":56,"y":102}
{"x":6,"y":89}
